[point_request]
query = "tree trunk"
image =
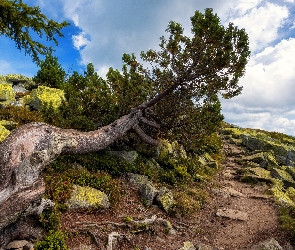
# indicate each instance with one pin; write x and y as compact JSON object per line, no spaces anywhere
{"x":28,"y":149}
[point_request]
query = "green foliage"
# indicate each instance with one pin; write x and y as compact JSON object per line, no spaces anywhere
{"x":20,"y":115}
{"x":62,"y":174}
{"x":50,"y":219}
{"x":190,"y":112}
{"x":88,"y":103}
{"x":189,"y":200}
{"x":287,"y":220}
{"x":55,"y":240}
{"x":50,"y":74}
{"x":22,"y":23}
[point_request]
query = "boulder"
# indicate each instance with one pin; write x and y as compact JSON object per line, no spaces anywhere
{"x":164,"y":199}
{"x":187,"y":246}
{"x":137,"y":179}
{"x":10,"y":125}
{"x":87,"y":198}
{"x":284,"y":176}
{"x":44,"y":96}
{"x":16,"y":244}
{"x":270,"y":244}
{"x":148,"y":193}
{"x":284,"y":154}
{"x":129,"y":156}
{"x":7,"y":94}
{"x":3,"y":133}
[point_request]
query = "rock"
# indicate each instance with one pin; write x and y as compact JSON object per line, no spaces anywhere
{"x":187,"y":246}
{"x":204,"y":247}
{"x":36,"y":208}
{"x":270,"y":244}
{"x":10,"y":125}
{"x":87,"y":197}
{"x":233,"y":192}
{"x":170,"y":150}
{"x":29,"y":246}
{"x":16,"y":244}
{"x":129,"y":156}
{"x":284,"y":154}
{"x":258,"y":174}
{"x":148,"y":192}
{"x":44,"y":96}
{"x":3,"y":133}
{"x":7,"y":94}
{"x":232,"y":214}
{"x":137,"y":179}
{"x":284,"y":176}
{"x":164,"y":199}
{"x":19,"y":88}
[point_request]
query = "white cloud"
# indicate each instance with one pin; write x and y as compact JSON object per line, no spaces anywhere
{"x":80,"y":40}
{"x":260,"y":22}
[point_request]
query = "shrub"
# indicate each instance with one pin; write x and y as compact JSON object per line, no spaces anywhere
{"x":55,"y":240}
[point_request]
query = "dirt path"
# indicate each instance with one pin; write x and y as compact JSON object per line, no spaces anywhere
{"x":255,"y":211}
{"x":236,"y":216}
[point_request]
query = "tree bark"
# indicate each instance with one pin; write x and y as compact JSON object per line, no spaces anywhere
{"x":28,"y":149}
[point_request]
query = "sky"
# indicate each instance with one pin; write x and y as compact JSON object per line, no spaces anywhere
{"x":102,"y":30}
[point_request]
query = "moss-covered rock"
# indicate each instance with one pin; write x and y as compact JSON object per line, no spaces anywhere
{"x":284,"y":176}
{"x":3,"y":133}
{"x":168,"y":149}
{"x":44,"y":96}
{"x":284,"y":154}
{"x":280,"y":193}
{"x":165,"y":199}
{"x":7,"y":95}
{"x":10,"y":125}
{"x":87,"y":198}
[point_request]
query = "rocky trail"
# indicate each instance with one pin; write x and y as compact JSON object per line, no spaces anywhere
{"x":237,"y":215}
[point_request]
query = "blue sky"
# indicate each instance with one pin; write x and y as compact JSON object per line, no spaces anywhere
{"x":102,"y":30}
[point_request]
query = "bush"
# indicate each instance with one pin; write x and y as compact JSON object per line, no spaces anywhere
{"x":55,"y":240}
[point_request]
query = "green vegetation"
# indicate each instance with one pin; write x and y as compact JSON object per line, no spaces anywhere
{"x":22,"y":23}
{"x":189,"y":113}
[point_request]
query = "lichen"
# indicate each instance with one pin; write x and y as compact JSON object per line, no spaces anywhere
{"x":44,"y":96}
{"x":280,"y":194}
{"x":6,"y":93}
{"x":3,"y":133}
{"x":87,"y":197}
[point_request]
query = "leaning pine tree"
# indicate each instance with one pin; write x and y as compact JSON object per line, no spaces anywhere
{"x":186,"y":71}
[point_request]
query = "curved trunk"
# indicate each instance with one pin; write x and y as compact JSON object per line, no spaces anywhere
{"x":28,"y":149}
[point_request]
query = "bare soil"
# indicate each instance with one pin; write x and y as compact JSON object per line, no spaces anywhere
{"x":90,"y":230}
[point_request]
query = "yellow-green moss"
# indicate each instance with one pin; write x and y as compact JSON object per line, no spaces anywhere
{"x":87,"y":197}
{"x":44,"y":96}
{"x":3,"y":133}
{"x":6,"y":93}
{"x":280,"y":194}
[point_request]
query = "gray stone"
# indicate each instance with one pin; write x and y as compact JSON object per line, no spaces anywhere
{"x":164,"y":199}
{"x":270,"y":244}
{"x":232,"y":214}
{"x":29,"y":246}
{"x":187,"y":246}
{"x":148,"y":192}
{"x":137,"y":179}
{"x":129,"y":156}
{"x":16,"y":244}
{"x":204,"y":247}
{"x":284,"y":176}
{"x":87,"y":197}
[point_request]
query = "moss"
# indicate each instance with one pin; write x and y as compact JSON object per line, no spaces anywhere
{"x":87,"y":197}
{"x":3,"y":133}
{"x":7,"y":94}
{"x":280,"y":194}
{"x":53,"y":241}
{"x":43,"y":96}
